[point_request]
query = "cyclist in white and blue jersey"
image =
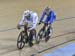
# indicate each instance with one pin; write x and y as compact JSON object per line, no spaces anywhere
{"x":49,"y":19}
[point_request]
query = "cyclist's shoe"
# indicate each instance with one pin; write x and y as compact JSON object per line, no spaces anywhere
{"x":34,"y":41}
{"x":47,"y":38}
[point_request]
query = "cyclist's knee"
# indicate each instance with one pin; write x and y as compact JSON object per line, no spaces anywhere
{"x":25,"y":28}
{"x":49,"y":28}
{"x":44,"y":27}
{"x":33,"y":31}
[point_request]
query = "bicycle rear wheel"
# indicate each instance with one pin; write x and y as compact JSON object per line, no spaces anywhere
{"x":21,"y":40}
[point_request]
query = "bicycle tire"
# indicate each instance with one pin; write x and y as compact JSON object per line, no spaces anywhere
{"x":21,"y":40}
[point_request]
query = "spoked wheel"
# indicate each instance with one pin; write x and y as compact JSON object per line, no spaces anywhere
{"x":21,"y":40}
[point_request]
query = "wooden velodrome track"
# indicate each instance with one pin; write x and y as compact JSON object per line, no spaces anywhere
{"x":11,"y":13}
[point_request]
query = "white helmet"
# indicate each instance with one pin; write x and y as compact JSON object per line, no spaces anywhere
{"x":27,"y":13}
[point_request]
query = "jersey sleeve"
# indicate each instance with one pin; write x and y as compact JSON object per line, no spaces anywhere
{"x":42,"y":17}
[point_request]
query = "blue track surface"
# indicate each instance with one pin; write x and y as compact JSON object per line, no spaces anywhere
{"x":68,"y":50}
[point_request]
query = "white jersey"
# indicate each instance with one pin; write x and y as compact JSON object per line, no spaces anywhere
{"x":32,"y":22}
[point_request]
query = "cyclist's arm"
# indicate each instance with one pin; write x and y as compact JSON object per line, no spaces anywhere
{"x":22,"y":20}
{"x":42,"y":17}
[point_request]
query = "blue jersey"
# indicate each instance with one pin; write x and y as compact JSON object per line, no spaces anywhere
{"x":50,"y":18}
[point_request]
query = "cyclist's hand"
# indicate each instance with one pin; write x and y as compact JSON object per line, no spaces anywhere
{"x":18,"y":26}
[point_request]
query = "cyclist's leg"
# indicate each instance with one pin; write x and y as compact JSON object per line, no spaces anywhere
{"x":32,"y":35}
{"x":25,"y":30}
{"x":30,"y":39}
{"x":43,"y":28}
{"x":48,"y":33}
{"x":49,"y":29}
{"x":46,"y":23}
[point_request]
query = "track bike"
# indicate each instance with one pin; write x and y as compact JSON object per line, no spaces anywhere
{"x":43,"y":34}
{"x":23,"y":38}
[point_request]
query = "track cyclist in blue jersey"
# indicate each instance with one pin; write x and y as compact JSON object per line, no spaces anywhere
{"x":48,"y":17}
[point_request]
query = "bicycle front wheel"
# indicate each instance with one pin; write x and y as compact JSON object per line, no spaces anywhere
{"x":21,"y":40}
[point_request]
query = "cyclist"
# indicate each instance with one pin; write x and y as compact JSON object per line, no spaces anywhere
{"x":49,"y":19}
{"x":29,"y":19}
